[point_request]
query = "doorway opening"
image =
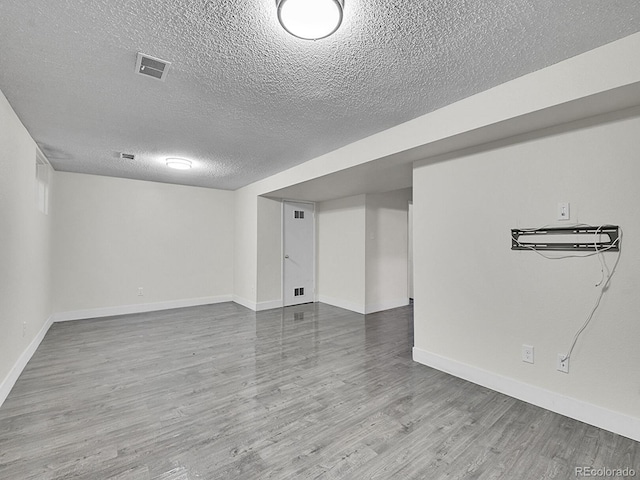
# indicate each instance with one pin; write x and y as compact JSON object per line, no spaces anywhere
{"x":298,"y":268}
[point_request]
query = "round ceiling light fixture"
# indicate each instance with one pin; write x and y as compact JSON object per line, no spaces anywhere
{"x":179,"y":163}
{"x":310,"y":19}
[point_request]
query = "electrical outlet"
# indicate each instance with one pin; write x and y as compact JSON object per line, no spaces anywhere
{"x":563,"y":363}
{"x":140,"y":291}
{"x":527,"y":353}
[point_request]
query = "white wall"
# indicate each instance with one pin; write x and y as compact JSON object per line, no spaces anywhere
{"x":410,"y":253}
{"x":341,"y":261}
{"x":112,"y":236}
{"x":362,"y":251}
{"x":245,"y":248}
{"x":477,"y":301}
{"x":24,"y":250}
{"x":387,"y":253}
{"x":270,"y":254}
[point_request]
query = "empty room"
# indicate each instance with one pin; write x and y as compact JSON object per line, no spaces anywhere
{"x":319,"y":239}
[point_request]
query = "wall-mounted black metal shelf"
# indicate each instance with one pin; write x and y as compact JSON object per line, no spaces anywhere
{"x":581,"y":239}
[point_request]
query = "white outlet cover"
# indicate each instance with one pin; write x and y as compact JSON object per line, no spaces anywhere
{"x":527,"y":353}
{"x":563,"y":366}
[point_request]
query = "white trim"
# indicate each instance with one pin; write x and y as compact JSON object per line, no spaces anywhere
{"x":259,"y":306}
{"x":140,"y":308}
{"x":245,"y":303}
{"x":379,"y":307}
{"x":362,"y":309}
{"x":12,"y":377}
{"x":282,"y":253}
{"x":42,"y":159}
{"x":268,"y":305}
{"x":410,"y":268}
{"x":10,"y":380}
{"x":337,"y":302}
{"x":600,"y":417}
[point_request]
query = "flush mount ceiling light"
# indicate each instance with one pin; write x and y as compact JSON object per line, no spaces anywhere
{"x":179,"y":163}
{"x":310,"y":19}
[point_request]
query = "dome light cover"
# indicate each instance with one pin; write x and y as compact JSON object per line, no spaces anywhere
{"x":310,"y":19}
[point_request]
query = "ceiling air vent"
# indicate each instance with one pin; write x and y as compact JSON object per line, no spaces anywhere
{"x":152,"y":67}
{"x":127,"y":156}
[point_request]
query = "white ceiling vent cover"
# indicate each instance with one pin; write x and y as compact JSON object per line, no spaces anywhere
{"x":152,"y":66}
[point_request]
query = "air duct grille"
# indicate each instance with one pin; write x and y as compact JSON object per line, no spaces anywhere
{"x":152,"y":67}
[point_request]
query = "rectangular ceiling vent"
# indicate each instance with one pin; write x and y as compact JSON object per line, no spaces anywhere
{"x":152,"y":67}
{"x":127,"y":156}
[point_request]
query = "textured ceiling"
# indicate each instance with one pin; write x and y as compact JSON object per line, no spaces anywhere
{"x":243,"y":99}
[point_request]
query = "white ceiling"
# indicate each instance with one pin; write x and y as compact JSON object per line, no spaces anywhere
{"x":243,"y":99}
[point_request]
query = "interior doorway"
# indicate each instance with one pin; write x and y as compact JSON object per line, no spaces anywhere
{"x":298,"y":271}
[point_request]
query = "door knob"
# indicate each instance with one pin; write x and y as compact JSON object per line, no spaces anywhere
{"x":286,"y":256}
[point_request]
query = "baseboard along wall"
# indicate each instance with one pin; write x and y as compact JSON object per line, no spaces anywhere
{"x":363,"y":308}
{"x":600,"y":417}
{"x":138,"y":308}
{"x":10,"y":380}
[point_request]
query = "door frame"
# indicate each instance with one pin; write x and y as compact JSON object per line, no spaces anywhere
{"x":315,"y":252}
{"x":410,"y":248}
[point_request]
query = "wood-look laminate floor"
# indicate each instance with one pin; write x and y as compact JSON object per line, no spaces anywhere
{"x":220,"y":392}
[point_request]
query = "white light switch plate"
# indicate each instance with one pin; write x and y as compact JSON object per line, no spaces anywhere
{"x":563,"y":211}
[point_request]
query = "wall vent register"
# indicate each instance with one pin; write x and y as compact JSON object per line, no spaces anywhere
{"x":298,"y":214}
{"x":297,"y":292}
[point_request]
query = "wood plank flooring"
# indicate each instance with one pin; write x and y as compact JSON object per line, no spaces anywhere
{"x":313,"y":391}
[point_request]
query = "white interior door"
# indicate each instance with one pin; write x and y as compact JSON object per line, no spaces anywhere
{"x":299,"y":253}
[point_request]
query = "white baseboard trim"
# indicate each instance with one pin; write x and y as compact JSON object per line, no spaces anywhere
{"x":257,"y":307}
{"x":10,"y":380}
{"x":338,"y":302}
{"x":245,"y":303}
{"x":268,"y":305}
{"x":363,"y":309}
{"x":600,"y":417}
{"x":140,"y":308}
{"x":379,"y":307}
